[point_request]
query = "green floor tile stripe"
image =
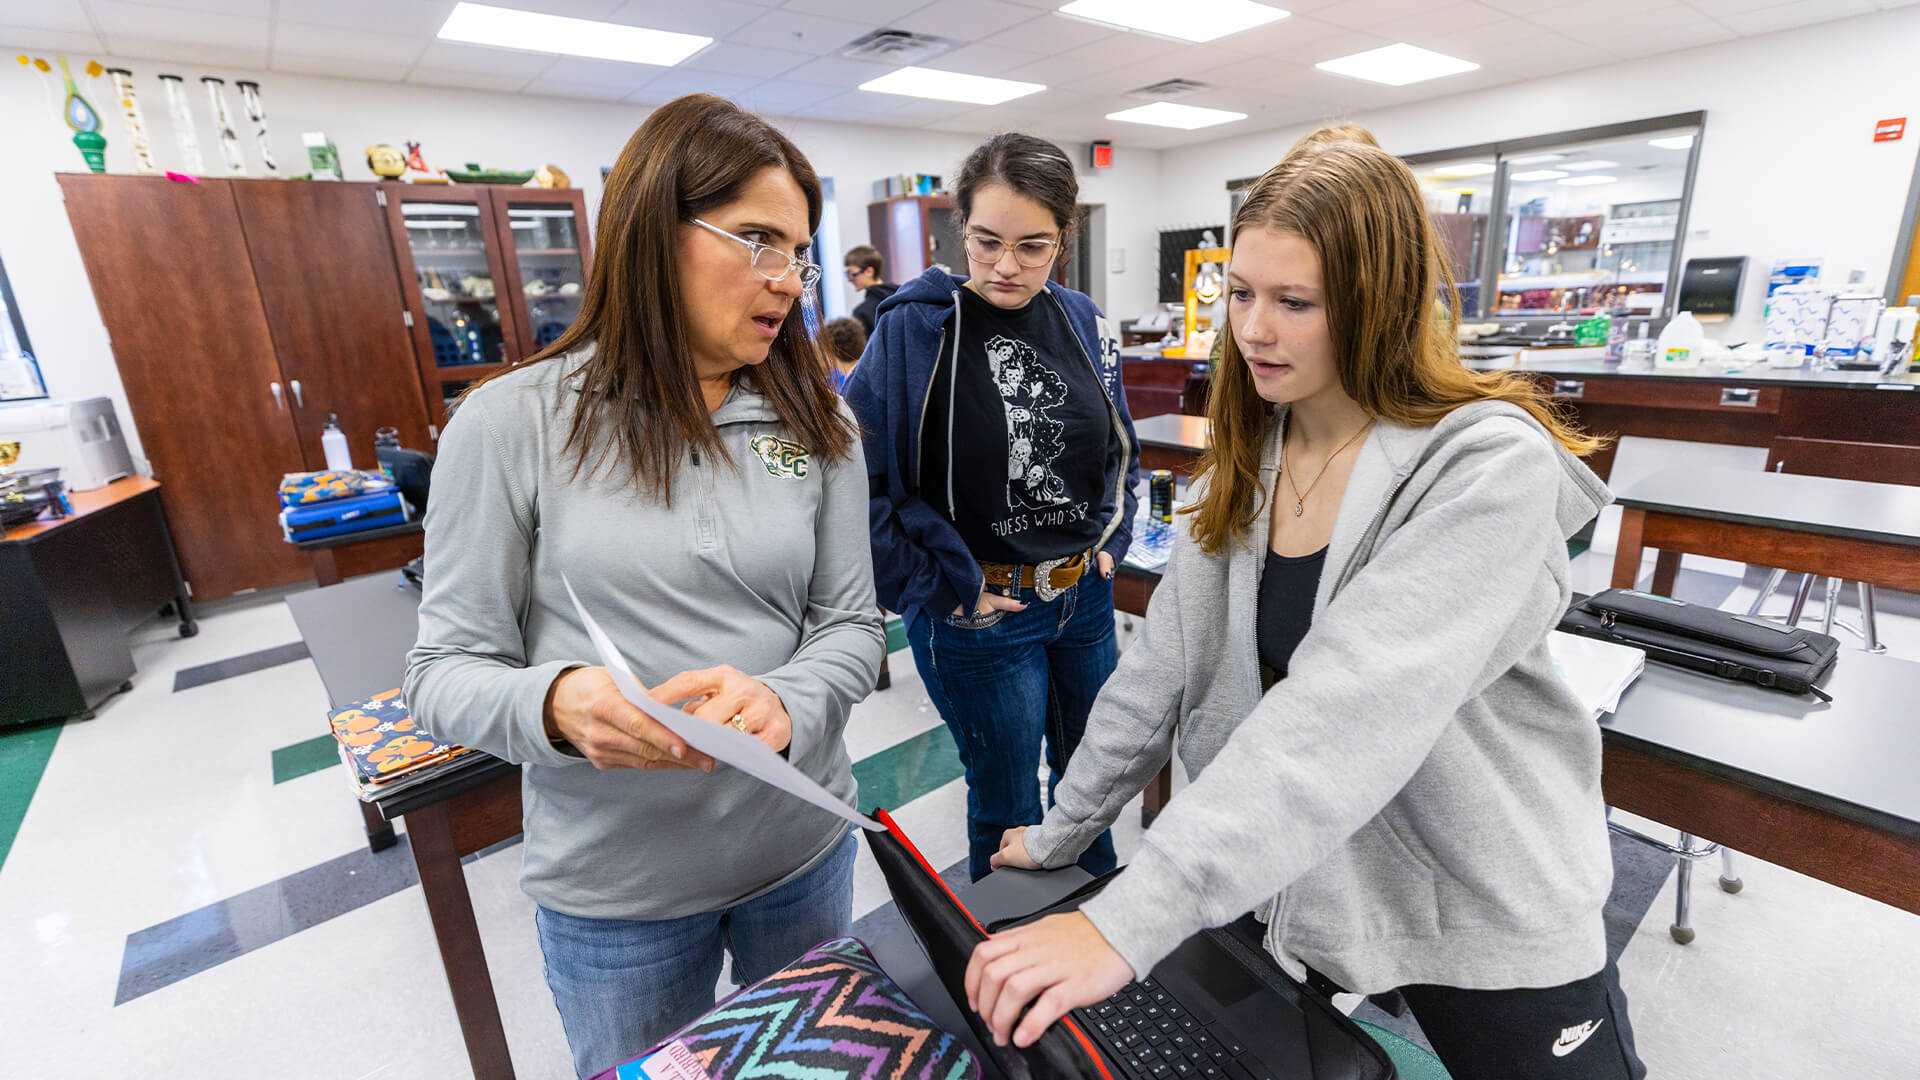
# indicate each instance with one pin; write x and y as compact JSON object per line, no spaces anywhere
{"x":896,"y":634}
{"x":1577,"y":547}
{"x":907,"y":770}
{"x":293,"y":762}
{"x":23,"y":760}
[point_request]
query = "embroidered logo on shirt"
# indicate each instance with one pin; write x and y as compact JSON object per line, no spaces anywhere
{"x":1573,"y":1038}
{"x":782,"y":458}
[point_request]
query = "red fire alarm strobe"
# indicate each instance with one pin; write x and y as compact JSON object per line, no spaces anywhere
{"x":1102,"y":154}
{"x":1890,"y":130}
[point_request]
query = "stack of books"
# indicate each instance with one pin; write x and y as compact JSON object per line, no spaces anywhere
{"x":385,"y":749}
{"x":319,"y":505}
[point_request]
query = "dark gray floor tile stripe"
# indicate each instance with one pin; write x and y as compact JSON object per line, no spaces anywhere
{"x":179,"y":948}
{"x":245,"y":664}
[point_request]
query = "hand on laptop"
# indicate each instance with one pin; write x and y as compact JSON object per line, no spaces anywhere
{"x":1059,"y":963}
{"x":1013,"y":851}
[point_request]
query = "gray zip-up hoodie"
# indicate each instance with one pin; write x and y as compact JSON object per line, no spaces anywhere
{"x":1418,"y":801}
{"x":761,"y":562}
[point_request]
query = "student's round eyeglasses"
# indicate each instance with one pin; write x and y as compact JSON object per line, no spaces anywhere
{"x":1028,"y":253}
{"x":770,"y":262}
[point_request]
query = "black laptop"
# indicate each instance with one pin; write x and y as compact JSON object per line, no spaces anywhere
{"x":1217,"y":1008}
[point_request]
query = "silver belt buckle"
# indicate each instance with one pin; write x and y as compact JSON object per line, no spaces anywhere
{"x":1043,"y":576}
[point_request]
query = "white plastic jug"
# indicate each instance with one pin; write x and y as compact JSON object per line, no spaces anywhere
{"x":1680,"y":343}
{"x":333,"y":443}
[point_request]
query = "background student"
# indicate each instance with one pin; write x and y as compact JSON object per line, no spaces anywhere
{"x":1002,"y":462}
{"x":863,"y":268}
{"x":1378,"y":543}
{"x":679,"y":455}
{"x":843,"y":340}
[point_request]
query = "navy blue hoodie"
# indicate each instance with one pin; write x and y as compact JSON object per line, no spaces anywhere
{"x":919,"y":560}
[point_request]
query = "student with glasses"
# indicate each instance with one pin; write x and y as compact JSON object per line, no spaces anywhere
{"x":864,"y":272}
{"x":1002,"y":463}
{"x":681,"y":457}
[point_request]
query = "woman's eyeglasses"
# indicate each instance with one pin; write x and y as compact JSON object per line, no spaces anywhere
{"x":770,"y":262}
{"x":1028,"y":253}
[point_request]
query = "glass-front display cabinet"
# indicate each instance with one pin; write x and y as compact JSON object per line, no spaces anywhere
{"x":543,"y":237}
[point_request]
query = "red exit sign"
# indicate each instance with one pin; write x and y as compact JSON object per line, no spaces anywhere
{"x":1890,"y":130}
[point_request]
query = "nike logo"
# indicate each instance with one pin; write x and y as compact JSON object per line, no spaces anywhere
{"x":1571,"y":1038}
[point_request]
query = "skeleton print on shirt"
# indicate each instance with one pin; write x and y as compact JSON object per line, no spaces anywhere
{"x":1029,"y":390}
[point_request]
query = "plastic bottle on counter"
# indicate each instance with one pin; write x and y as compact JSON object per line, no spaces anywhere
{"x":333,"y":443}
{"x":1681,"y":342}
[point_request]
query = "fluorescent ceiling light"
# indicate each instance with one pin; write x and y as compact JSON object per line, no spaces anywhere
{"x":950,"y":86}
{"x":1583,"y":181}
{"x":1673,"y":142}
{"x":1456,"y":172}
{"x":1189,"y":20}
{"x":531,"y":31}
{"x":1535,"y":159}
{"x":1588,"y":166}
{"x":1169,"y":114}
{"x":1397,"y":65}
{"x":1538,"y":174}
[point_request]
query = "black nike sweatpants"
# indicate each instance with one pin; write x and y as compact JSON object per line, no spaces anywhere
{"x":1574,"y":1032}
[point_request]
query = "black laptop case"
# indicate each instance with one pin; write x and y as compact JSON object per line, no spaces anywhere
{"x":1743,"y":648}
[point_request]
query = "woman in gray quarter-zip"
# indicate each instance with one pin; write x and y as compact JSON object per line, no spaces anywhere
{"x":680,"y":457}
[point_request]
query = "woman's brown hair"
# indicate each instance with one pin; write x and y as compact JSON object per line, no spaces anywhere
{"x":690,"y":156}
{"x":1381,"y":270}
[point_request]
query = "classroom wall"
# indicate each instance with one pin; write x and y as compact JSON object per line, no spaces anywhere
{"x":497,"y":130}
{"x":1788,"y":166}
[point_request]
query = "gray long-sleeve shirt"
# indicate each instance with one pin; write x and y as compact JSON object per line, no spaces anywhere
{"x":762,"y":562}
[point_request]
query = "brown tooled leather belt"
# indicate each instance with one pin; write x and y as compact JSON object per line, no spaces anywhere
{"x":1055,"y":576}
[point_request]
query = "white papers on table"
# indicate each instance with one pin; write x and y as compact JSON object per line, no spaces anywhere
{"x":1598,"y":671}
{"x":721,"y":742}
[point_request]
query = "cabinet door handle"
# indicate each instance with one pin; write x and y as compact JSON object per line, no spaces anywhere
{"x":298,"y":398}
{"x":1568,"y":388}
{"x":1743,"y":397}
{"x":277,"y":398}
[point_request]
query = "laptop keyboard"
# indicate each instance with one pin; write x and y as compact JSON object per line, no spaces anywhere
{"x":1145,"y":1033}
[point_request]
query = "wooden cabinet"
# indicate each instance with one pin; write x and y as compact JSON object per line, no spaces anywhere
{"x":243,"y":313}
{"x":914,"y":232}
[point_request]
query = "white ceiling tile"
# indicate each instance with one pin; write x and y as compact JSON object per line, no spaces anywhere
{"x":465,"y":80}
{"x":1799,"y":13}
{"x":1051,"y":33}
{"x":837,"y":71}
{"x":336,"y":67}
{"x":859,"y":107}
{"x":1525,"y":8}
{"x":1422,"y":20}
{"x":41,"y":15}
{"x":27,"y":37}
{"x":980,"y":59}
{"x":879,"y":12}
{"x":626,"y":78}
{"x":968,"y":21}
{"x":500,"y":64}
{"x":572,"y":9}
{"x":564,"y":88}
{"x":253,"y":9}
{"x":712,"y":18}
{"x":795,"y":31}
{"x":780,"y":98}
{"x":1060,"y":68}
{"x":675,"y":82}
{"x":119,"y":20}
{"x":1718,"y":8}
{"x":1296,"y":39}
{"x":1663,"y":31}
{"x":189,"y":52}
{"x":735,"y":59}
{"x":1269,"y":76}
{"x":423,"y":18}
{"x":1521,"y":49}
{"x":914,"y":111}
{"x":309,"y":40}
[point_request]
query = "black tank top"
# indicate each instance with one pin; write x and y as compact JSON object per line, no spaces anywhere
{"x":1287,"y":587}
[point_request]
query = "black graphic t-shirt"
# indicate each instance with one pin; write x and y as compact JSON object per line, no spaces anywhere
{"x":1030,"y":433}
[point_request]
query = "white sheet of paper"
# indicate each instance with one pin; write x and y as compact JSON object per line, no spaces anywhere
{"x":721,"y":742}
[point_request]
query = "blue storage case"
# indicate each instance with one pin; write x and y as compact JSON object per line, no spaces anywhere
{"x":340,"y":516}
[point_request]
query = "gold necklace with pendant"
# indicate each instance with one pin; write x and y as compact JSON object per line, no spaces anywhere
{"x":1300,"y":497}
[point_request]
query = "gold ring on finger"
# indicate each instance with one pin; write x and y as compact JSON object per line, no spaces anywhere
{"x":739,"y":723}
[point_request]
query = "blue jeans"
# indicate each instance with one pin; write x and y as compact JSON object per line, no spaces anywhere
{"x":1002,"y":686}
{"x":622,"y":986}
